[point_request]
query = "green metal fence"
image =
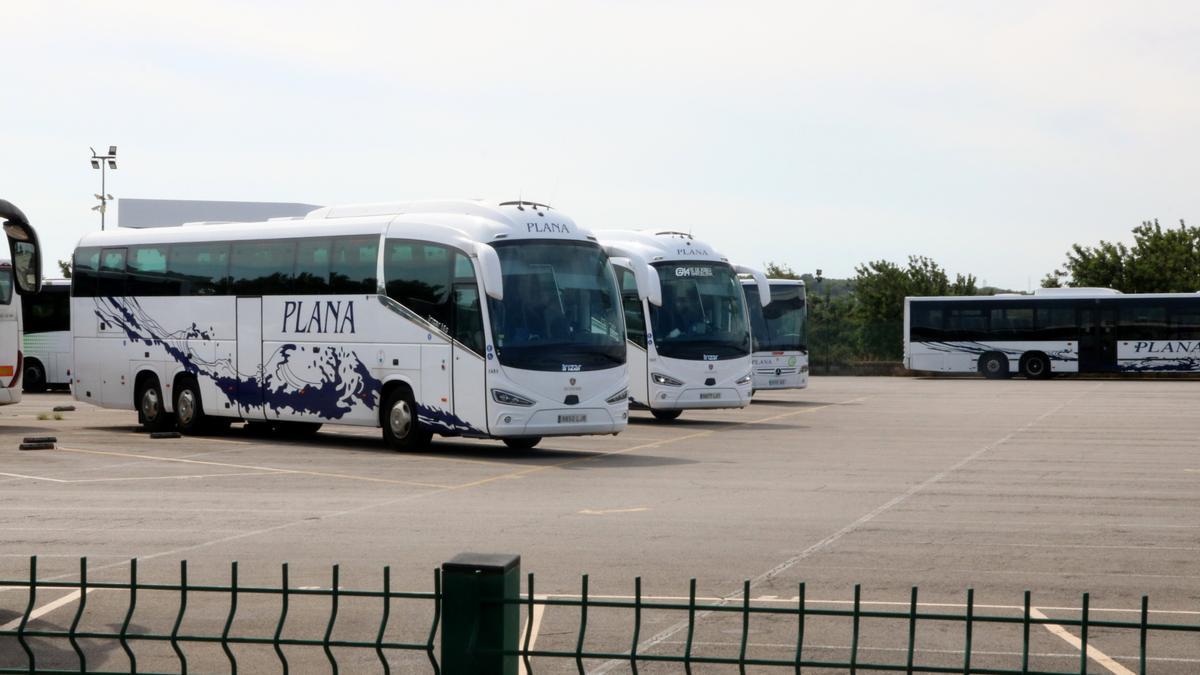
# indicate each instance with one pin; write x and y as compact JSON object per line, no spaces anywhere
{"x":476,"y":604}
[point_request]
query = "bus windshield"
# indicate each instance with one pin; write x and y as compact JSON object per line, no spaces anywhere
{"x":561,"y":309}
{"x":6,"y":284}
{"x":781,"y":326}
{"x":703,"y":314}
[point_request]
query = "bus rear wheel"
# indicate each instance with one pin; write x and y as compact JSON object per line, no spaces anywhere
{"x":1035,"y":366}
{"x":189,"y":410}
{"x":151,"y":414}
{"x":523,"y":442}
{"x":994,"y":366}
{"x":34,"y":381}
{"x":666,"y":415}
{"x":402,"y":429}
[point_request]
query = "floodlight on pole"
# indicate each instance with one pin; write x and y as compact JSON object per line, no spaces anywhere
{"x":103,"y":162}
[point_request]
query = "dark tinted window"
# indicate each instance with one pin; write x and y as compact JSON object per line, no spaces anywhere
{"x":262,"y":267}
{"x":1185,"y":319}
{"x":147,"y":267}
{"x":84,"y":271}
{"x":926,"y":321}
{"x":49,"y":310}
{"x":1143,"y":320}
{"x":312,"y":266}
{"x":353,"y":265}
{"x":468,"y":317}
{"x":199,"y":269}
{"x":111,"y":281}
{"x":418,"y":277}
{"x":635,"y":317}
{"x":966,"y":321}
{"x":1011,"y":321}
{"x":1055,"y":321}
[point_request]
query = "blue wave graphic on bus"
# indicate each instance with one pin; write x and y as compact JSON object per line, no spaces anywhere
{"x":446,"y":422}
{"x":327,"y":383}
{"x":978,"y":348}
{"x":1156,"y":365}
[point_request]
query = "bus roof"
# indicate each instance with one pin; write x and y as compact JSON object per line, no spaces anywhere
{"x":776,"y":282}
{"x":480,"y":221}
{"x":1009,"y":297}
{"x":659,"y":245}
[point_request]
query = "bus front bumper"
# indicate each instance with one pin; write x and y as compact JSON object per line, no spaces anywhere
{"x":700,"y":397}
{"x":561,"y":422}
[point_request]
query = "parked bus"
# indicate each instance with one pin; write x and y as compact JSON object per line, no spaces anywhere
{"x":1068,"y":330}
{"x":780,"y":334}
{"x":46,"y":321}
{"x":689,"y":340}
{"x":20,"y":274}
{"x":457,"y":318}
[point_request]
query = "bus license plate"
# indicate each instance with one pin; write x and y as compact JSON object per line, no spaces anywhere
{"x":707,"y":396}
{"x":572,"y":419}
{"x":778,"y":380}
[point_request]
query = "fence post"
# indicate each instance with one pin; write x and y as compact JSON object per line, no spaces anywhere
{"x":476,"y":623}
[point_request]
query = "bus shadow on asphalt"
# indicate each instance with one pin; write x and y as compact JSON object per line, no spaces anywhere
{"x":784,"y":403}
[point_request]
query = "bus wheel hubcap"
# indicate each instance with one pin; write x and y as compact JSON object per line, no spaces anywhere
{"x":187,"y":407}
{"x":150,"y":404}
{"x":400,"y":419}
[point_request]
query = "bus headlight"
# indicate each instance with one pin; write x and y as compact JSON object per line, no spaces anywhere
{"x":618,"y":397}
{"x":745,"y":379}
{"x":667,"y":380}
{"x":509,"y":398}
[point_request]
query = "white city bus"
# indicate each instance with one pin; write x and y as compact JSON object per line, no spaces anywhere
{"x":370,"y":315}
{"x":689,"y":339}
{"x":780,"y":334}
{"x":46,"y":322}
{"x":20,"y":274}
{"x":1067,"y":330}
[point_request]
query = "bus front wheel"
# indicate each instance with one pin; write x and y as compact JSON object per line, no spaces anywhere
{"x":34,"y":380}
{"x":994,"y":366}
{"x":402,"y":430}
{"x":151,"y":413}
{"x":666,"y":415}
{"x":1035,"y":366}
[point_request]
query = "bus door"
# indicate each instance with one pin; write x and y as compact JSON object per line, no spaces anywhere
{"x":249,"y":358}
{"x":466,"y":326}
{"x":1097,"y":338}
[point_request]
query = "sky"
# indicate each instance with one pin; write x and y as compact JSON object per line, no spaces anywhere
{"x":990,"y":136}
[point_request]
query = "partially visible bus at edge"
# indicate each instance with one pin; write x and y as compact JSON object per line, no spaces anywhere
{"x":780,"y":334}
{"x":46,"y":321}
{"x":689,"y":339}
{"x":1067,"y":330}
{"x":20,"y":274}
{"x":458,"y":318}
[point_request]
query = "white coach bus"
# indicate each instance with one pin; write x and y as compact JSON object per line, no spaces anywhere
{"x":46,"y":322}
{"x":780,"y":334}
{"x":1067,"y":330}
{"x":689,"y":339}
{"x":370,"y":315}
{"x":20,"y":274}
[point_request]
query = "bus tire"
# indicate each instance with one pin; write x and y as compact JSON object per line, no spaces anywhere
{"x":402,"y":429}
{"x":523,"y":442}
{"x":34,"y":377}
{"x":666,"y":415}
{"x":189,"y":409}
{"x":148,"y":399}
{"x":1035,"y":366}
{"x":994,"y":366}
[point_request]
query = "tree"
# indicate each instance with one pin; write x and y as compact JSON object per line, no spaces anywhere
{"x":879,"y":291}
{"x":64,"y":266}
{"x":780,"y":271}
{"x":1160,"y":261}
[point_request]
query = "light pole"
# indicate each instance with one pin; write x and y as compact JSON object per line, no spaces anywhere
{"x":824,"y":320}
{"x":103,"y":162}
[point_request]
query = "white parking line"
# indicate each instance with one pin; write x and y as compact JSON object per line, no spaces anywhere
{"x":45,"y":609}
{"x":1092,"y":653}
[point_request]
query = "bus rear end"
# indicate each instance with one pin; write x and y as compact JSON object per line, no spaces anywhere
{"x":10,"y":339}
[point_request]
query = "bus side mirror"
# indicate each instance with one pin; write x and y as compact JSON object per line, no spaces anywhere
{"x":760,"y":280}
{"x":649,"y":286}
{"x":24,"y":249}
{"x":489,"y":269}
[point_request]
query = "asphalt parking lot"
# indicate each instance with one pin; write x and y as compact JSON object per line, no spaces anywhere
{"x":1059,"y":487}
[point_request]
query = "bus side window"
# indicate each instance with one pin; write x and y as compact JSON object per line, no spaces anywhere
{"x":418,"y":277}
{"x":635,"y":318}
{"x":83,"y":274}
{"x":199,"y":269}
{"x":147,"y":269}
{"x":926,"y":322}
{"x":111,"y":281}
{"x":468,"y":317}
{"x":262,"y":267}
{"x":353,"y":268}
{"x":312,"y":266}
